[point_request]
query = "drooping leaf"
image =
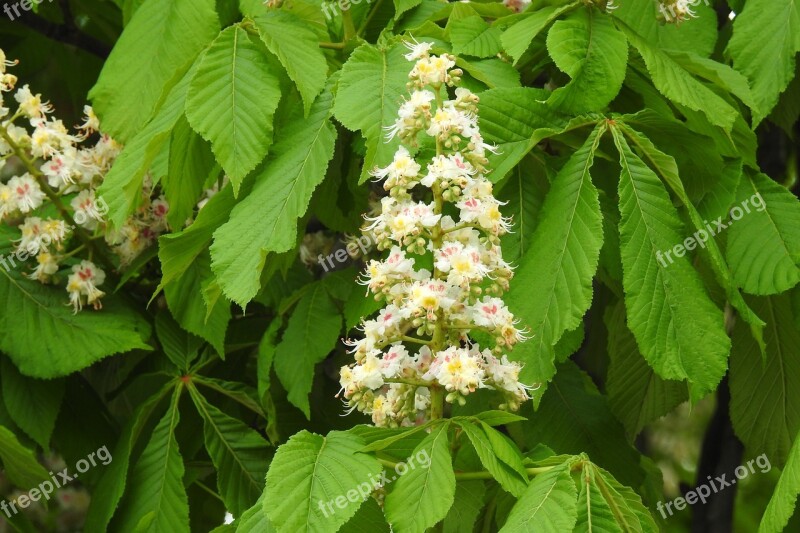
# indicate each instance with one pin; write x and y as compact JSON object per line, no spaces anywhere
{"x":519,"y":37}
{"x":767,"y":220}
{"x":266,"y":220}
{"x":310,"y":336}
{"x":161,"y":40}
{"x":231,"y":101}
{"x":156,"y":500}
{"x":32,"y":404}
{"x":422,"y":496}
{"x":513,"y":480}
{"x":309,"y":478}
{"x":19,"y":463}
{"x":678,"y":328}
{"x":782,"y":503}
{"x":560,"y":264}
{"x":636,"y":394}
{"x":765,"y":41}
{"x":765,"y":395}
{"x":587,"y":47}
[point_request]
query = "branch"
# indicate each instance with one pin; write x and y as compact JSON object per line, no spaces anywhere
{"x":67,"y":33}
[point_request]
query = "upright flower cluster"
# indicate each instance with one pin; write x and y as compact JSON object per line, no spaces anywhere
{"x":440,"y":212}
{"x":50,"y":196}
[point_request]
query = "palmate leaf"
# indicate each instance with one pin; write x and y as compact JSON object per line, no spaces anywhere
{"x":297,"y":48}
{"x":312,"y":333}
{"x":231,"y":102}
{"x":32,"y":404}
{"x":553,"y":284}
{"x":43,"y":336}
{"x":764,"y":245}
{"x":424,"y":494}
{"x":162,"y":39}
{"x":636,"y":394}
{"x":311,"y":471}
{"x":370,"y":91}
{"x":240,"y":456}
{"x":548,"y":504}
{"x":678,"y":328}
{"x":156,"y":500}
{"x":588,"y":47}
{"x":266,"y":220}
{"x":782,"y":503}
{"x":765,"y":41}
{"x":765,"y":395}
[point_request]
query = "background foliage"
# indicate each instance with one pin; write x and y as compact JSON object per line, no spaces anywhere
{"x":619,"y":136}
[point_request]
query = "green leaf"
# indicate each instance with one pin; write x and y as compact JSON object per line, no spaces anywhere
{"x":677,"y":84}
{"x":32,"y":404}
{"x":667,"y":168}
{"x":297,"y":48}
{"x":605,"y":505}
{"x":548,"y":504}
{"x":782,"y":503}
{"x":560,"y":264}
{"x":467,"y":503}
{"x":678,"y":328}
{"x":765,"y":41}
{"x":519,"y":37}
{"x":19,"y":463}
{"x":109,"y":490}
{"x":161,"y":40}
{"x":424,"y":494}
{"x":232,"y":100}
{"x":312,"y":333}
{"x":524,"y":194}
{"x":765,"y":395}
{"x":179,"y":346}
{"x":636,"y":394}
{"x":496,"y":460}
{"x":156,"y":499}
{"x":516,"y":120}
{"x":186,"y":303}
{"x":45,"y":339}
{"x":574,"y":417}
{"x":588,"y":47}
{"x":266,"y":220}
{"x":240,"y":456}
{"x":764,"y":244}
{"x":499,"y":418}
{"x":474,"y":37}
{"x":190,"y":163}
{"x":255,"y":519}
{"x":122,"y":186}
{"x":371,"y":89}
{"x":309,"y":473}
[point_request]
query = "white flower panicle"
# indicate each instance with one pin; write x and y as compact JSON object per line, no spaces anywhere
{"x":63,"y":171}
{"x":440,"y":211}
